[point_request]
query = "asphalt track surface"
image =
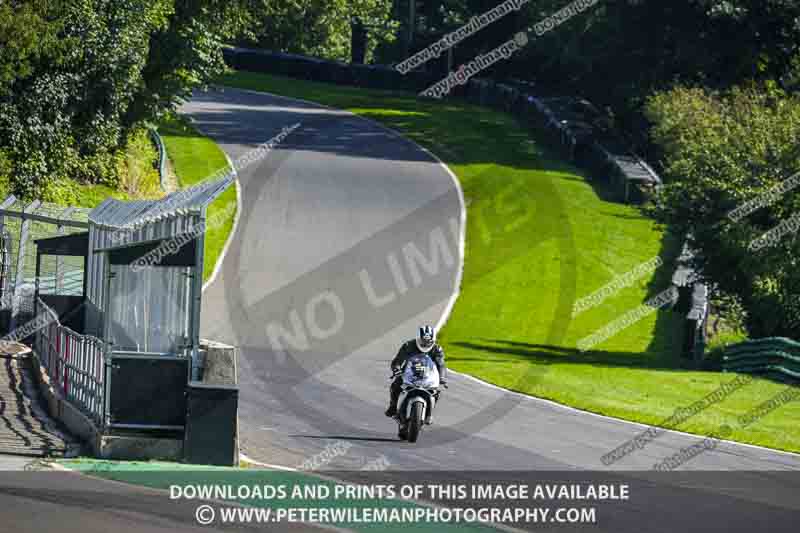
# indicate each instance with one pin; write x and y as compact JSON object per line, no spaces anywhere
{"x":67,"y":502}
{"x":334,"y":243}
{"x":337,"y":197}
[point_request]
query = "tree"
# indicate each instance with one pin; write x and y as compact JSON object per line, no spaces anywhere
{"x":721,"y":152}
{"x":320,"y":27}
{"x":619,"y":51}
{"x":78,"y":76}
{"x":69,"y":77}
{"x":187,"y":52}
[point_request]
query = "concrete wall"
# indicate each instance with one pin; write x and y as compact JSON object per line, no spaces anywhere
{"x":221,"y":367}
{"x":78,"y":424}
{"x":220,"y":363}
{"x":139,"y":448}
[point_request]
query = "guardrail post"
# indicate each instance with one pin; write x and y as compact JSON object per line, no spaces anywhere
{"x":67,"y":343}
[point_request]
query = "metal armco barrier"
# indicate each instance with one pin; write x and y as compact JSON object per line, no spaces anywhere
{"x":162,"y":157}
{"x":694,"y":302}
{"x":695,"y":322}
{"x":316,"y":69}
{"x":770,"y":355}
{"x":572,"y":123}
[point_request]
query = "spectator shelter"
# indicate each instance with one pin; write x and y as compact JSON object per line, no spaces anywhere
{"x":22,"y":224}
{"x":116,"y":302}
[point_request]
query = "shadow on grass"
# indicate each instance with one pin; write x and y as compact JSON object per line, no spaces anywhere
{"x":466,"y":134}
{"x":175,"y":125}
{"x":547,"y":354}
{"x":663,"y":352}
{"x":463,"y":129}
{"x":669,"y":329}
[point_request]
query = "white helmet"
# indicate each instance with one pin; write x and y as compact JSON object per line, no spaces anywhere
{"x":426,"y":339}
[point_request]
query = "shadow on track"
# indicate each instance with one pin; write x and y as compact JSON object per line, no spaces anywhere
{"x":341,"y":437}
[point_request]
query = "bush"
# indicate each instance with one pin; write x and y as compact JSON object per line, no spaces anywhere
{"x":138,"y":167}
{"x":78,"y":78}
{"x":5,"y":174}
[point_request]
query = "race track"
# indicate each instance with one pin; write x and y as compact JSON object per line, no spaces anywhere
{"x":69,"y":502}
{"x":349,"y":238}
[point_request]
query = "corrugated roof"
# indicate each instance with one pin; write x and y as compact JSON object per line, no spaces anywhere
{"x":119,"y":214}
{"x":634,"y":169}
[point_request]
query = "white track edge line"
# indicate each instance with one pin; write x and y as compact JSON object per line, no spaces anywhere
{"x":421,"y":503}
{"x":611,"y":418}
{"x":229,"y":240}
{"x":234,"y":228}
{"x":244,"y":457}
{"x":451,"y":303}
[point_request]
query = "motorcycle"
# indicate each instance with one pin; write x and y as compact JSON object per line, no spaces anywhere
{"x":419,"y":393}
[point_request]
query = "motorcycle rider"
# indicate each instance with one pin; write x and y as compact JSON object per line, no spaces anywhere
{"x":425,"y":343}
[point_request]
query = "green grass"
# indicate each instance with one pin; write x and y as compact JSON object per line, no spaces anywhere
{"x":89,"y":196}
{"x":539,"y":236}
{"x":195,"y":157}
{"x":138,"y":178}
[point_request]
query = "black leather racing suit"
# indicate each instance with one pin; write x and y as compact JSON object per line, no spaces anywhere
{"x":408,"y":349}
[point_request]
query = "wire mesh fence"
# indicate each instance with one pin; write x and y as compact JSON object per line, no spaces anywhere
{"x":21,"y":224}
{"x":61,"y":275}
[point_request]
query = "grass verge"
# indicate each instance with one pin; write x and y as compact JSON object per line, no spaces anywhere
{"x":195,"y":157}
{"x":136,"y":167}
{"x":539,"y":236}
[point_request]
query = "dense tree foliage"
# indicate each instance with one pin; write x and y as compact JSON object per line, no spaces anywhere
{"x":187,"y":52}
{"x":721,"y":152}
{"x":617,"y":52}
{"x":319,"y":27}
{"x":77,"y":77}
{"x":705,"y":86}
{"x":69,"y":76}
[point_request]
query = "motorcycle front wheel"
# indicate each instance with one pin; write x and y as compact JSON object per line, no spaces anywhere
{"x":415,"y":422}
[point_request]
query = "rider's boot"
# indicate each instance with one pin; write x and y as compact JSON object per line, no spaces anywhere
{"x":394,"y":395}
